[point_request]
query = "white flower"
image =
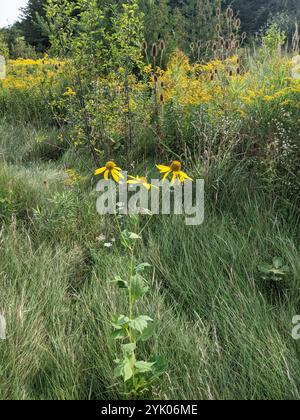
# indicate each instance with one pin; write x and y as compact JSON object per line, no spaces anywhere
{"x":108,"y":245}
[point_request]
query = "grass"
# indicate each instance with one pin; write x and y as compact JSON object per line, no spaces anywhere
{"x":224,"y":332}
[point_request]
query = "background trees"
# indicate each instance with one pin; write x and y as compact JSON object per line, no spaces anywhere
{"x":181,"y":23}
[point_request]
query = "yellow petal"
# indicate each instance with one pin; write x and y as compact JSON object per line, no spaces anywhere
{"x":174,"y":177}
{"x":106,"y":173}
{"x":163,"y":168}
{"x":100,"y":170}
{"x":116,"y":175}
{"x":184,"y":176}
{"x":148,"y":186}
{"x":166,"y":175}
{"x":132,"y":182}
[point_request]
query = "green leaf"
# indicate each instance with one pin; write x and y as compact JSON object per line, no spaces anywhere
{"x":140,"y":323}
{"x":144,"y":367}
{"x":127,"y":370}
{"x":118,"y":334}
{"x":124,"y":369}
{"x":120,"y":322}
{"x":147,"y":333}
{"x":129,"y":348}
{"x":134,"y":236}
{"x":277,"y":262}
{"x":159,"y":367}
{"x":265,"y":268}
{"x":138,"y":287}
{"x":122,"y":284}
{"x":141,"y":267}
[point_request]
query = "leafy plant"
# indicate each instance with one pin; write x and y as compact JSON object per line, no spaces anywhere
{"x":277,"y":271}
{"x":133,"y":328}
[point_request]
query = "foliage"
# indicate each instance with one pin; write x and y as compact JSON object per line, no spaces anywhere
{"x":133,"y":329}
{"x":208,"y":300}
{"x":4,"y":51}
{"x":33,"y":25}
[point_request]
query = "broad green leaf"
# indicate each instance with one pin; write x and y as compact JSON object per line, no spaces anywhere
{"x":147,"y":333}
{"x":159,"y":367}
{"x":127,"y":371}
{"x":118,"y":334}
{"x":129,"y":348}
{"x":138,"y":287}
{"x":122,"y":284}
{"x":120,"y":322}
{"x":265,"y":268}
{"x":141,"y":267}
{"x":144,"y":367}
{"x":140,"y":323}
{"x":118,"y":371}
{"x":277,"y":262}
{"x":124,"y":369}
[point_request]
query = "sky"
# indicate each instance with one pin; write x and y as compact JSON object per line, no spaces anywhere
{"x":9,"y":11}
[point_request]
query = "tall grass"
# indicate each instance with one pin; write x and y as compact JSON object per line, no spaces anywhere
{"x":223,"y":332}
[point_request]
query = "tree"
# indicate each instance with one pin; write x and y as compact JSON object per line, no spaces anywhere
{"x":33,"y":24}
{"x":255,"y":13}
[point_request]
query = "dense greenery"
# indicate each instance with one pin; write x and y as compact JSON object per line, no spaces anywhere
{"x":179,"y":23}
{"x":144,"y":306}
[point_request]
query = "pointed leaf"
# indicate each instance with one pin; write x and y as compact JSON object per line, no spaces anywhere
{"x":129,"y":348}
{"x":122,"y":284}
{"x":144,"y":367}
{"x":141,"y":267}
{"x":147,"y":333}
{"x":138,"y":287}
{"x":140,"y":323}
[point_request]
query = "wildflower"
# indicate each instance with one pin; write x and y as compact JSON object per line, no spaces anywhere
{"x":69,"y":92}
{"x":110,"y":169}
{"x":175,"y":170}
{"x":139,"y":181}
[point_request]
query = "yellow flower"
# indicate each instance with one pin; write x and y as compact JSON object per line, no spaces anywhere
{"x":140,"y":181}
{"x":69,"y":92}
{"x":112,"y":169}
{"x":175,"y":170}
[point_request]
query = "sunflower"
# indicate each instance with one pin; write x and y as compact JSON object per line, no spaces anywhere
{"x":175,"y":170}
{"x":140,"y":181}
{"x":112,"y":169}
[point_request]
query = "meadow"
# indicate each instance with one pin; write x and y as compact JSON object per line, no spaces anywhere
{"x":222,"y":295}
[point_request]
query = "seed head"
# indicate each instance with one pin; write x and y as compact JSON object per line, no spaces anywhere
{"x":154,"y":50}
{"x":162,"y":45}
